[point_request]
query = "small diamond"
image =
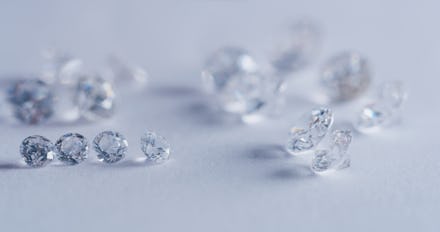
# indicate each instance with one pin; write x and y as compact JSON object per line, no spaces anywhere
{"x":155,"y":147}
{"x":37,"y":151}
{"x":72,"y":148}
{"x":299,"y":49}
{"x":346,"y":76}
{"x":225,"y":63}
{"x":32,"y":101}
{"x":312,"y":128}
{"x":95,"y":98}
{"x":336,"y":156}
{"x":111,"y":146}
{"x":385,"y":111}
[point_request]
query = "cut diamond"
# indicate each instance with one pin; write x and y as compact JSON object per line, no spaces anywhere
{"x":95,"y":98}
{"x":336,"y":156}
{"x":32,"y":101}
{"x":346,"y":76}
{"x":111,"y":146}
{"x":72,"y":148}
{"x":155,"y":147}
{"x":311,"y":129}
{"x":37,"y":151}
{"x":385,"y":111}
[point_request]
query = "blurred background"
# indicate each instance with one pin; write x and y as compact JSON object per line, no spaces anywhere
{"x":224,"y":176}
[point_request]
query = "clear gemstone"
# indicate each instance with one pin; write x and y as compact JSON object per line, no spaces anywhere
{"x":225,"y":63}
{"x":72,"y":148}
{"x":32,"y":101}
{"x":155,"y":147}
{"x":299,"y":49}
{"x":311,"y":129}
{"x":336,"y":156}
{"x":123,"y":74}
{"x":37,"y":151}
{"x":95,"y":98}
{"x":385,"y":111}
{"x":111,"y":146}
{"x":62,"y":68}
{"x":346,"y":76}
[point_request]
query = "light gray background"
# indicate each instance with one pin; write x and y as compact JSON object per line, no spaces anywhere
{"x":223,"y":175}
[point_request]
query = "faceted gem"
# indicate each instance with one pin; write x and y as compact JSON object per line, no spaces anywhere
{"x":299,"y":48}
{"x":37,"y":151}
{"x":32,"y":101}
{"x":299,"y":140}
{"x":336,"y":156}
{"x":95,"y":98}
{"x":309,"y":132}
{"x":111,"y":146}
{"x":385,"y":111}
{"x":155,"y":147}
{"x":346,"y":76}
{"x":72,"y":148}
{"x":225,"y":63}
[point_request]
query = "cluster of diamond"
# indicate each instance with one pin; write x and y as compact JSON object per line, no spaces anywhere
{"x":72,"y":148}
{"x":311,"y":130}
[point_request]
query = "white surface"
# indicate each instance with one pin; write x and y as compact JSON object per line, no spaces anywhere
{"x":224,"y":176}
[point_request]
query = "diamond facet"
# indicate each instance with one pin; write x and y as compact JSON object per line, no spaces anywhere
{"x":37,"y":151}
{"x":111,"y":146}
{"x":95,"y":98}
{"x":310,"y":130}
{"x":336,"y":156}
{"x":72,"y":148}
{"x":32,"y":101}
{"x":155,"y":147}
{"x":346,"y":76}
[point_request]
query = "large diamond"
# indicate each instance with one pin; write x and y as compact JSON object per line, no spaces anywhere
{"x":72,"y":148}
{"x":346,"y":76}
{"x":155,"y":147}
{"x":111,"y":146}
{"x":37,"y":151}
{"x":95,"y":98}
{"x":32,"y":101}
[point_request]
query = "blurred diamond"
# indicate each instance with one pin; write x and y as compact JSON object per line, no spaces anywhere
{"x":95,"y":98}
{"x":126,"y":75}
{"x":155,"y":147}
{"x":346,"y":76}
{"x":37,"y":151}
{"x":32,"y":101}
{"x":61,"y":68}
{"x":299,"y":48}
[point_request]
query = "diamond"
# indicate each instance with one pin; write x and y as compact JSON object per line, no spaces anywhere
{"x":72,"y":148}
{"x":111,"y":146}
{"x":32,"y":101}
{"x":225,"y":63}
{"x":95,"y":98}
{"x":336,"y":156}
{"x":122,"y":73}
{"x":155,"y":147}
{"x":62,"y":68}
{"x":232,"y":76}
{"x":385,"y":111}
{"x":37,"y":151}
{"x":299,"y":49}
{"x":346,"y":76}
{"x":312,"y":128}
